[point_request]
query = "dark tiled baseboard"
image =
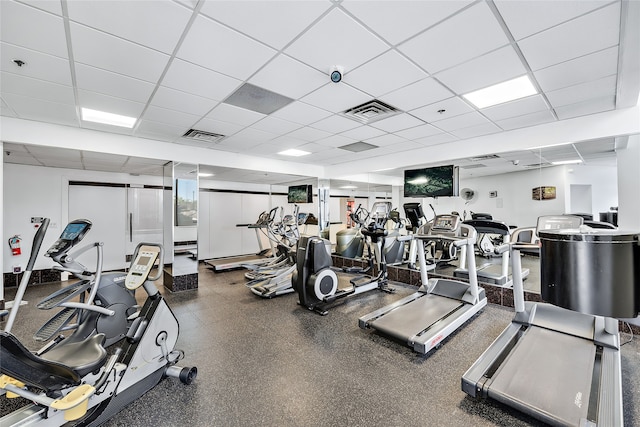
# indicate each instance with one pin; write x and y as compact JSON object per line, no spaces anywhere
{"x":37,"y":276}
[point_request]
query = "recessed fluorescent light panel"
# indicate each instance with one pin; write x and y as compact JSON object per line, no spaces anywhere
{"x":89,"y":115}
{"x":349,"y":187}
{"x":502,"y":92}
{"x":293,"y":152}
{"x":204,"y":175}
{"x":567,"y":162}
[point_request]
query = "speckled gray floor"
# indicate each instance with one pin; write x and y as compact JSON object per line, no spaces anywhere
{"x":273,"y":363}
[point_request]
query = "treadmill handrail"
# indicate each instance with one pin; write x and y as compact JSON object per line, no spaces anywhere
{"x":457,"y":240}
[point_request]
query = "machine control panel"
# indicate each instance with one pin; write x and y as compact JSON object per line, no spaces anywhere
{"x":141,"y":267}
{"x":71,"y":235}
{"x":446,"y":223}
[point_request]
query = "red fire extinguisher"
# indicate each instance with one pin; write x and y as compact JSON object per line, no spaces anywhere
{"x":14,"y":244}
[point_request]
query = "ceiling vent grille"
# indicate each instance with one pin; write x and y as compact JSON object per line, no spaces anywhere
{"x":370,"y":112}
{"x":486,"y":157}
{"x":476,"y":166}
{"x":538,"y":165}
{"x":358,"y":147}
{"x":203,"y":136}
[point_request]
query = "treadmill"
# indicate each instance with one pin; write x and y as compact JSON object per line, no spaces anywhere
{"x":264,"y":255}
{"x":422,"y":320}
{"x":560,"y":363}
{"x":492,"y":273}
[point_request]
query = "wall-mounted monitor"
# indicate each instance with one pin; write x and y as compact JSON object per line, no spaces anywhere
{"x":439,"y":181}
{"x":300,"y":194}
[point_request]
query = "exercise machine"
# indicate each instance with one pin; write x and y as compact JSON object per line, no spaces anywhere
{"x":394,"y":249}
{"x":423,"y":319}
{"x":496,"y":274}
{"x":415,"y":215}
{"x":350,"y":242}
{"x":78,"y":381}
{"x":560,"y":361}
{"x":263,"y":256}
{"x":316,"y":283}
{"x":96,"y":302}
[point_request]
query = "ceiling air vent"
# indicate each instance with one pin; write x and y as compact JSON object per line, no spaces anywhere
{"x":537,"y":165}
{"x":476,"y":166}
{"x":203,"y":136}
{"x":486,"y":157}
{"x":357,"y":147}
{"x":370,"y":112}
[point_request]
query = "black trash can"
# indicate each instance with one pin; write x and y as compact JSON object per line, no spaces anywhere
{"x":594,"y":272}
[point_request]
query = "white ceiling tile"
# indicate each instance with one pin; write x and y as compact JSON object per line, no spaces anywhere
{"x":403,"y":146}
{"x":157,"y":130}
{"x":519,"y":107}
{"x":275,"y":23}
{"x":464,"y":36}
{"x":299,"y":112}
{"x":424,"y":92}
{"x":336,"y":141}
{"x":5,"y":110}
{"x":216,"y":47}
{"x":335,"y":124}
{"x":336,"y":39}
{"x":218,"y":126}
{"x":495,"y":67}
{"x":601,"y":88}
{"x":109,"y":83}
{"x":289,"y":77}
{"x":275,"y":125}
{"x":38,"y":65}
{"x":102,"y":50}
{"x":308,"y":134}
{"x":419,"y":132}
{"x":526,"y":120}
{"x":336,"y":97}
{"x":452,"y":107}
{"x":34,"y":88}
{"x":188,"y":3}
{"x":44,"y":111}
{"x":170,"y":117}
{"x":397,"y":123}
{"x":579,"y":70}
{"x":478,"y":130}
{"x":200,"y":81}
{"x":250,"y":135}
{"x":55,"y":153}
{"x":181,"y":101}
{"x":384,"y":140}
{"x":589,"y":33}
{"x":528,"y":17}
{"x":47,"y":5}
{"x":32,"y":28}
{"x":109,"y":104}
{"x":156,"y":24}
{"x":106,"y":128}
{"x":436,"y":139}
{"x":233,"y":114}
{"x":384,"y":74}
{"x":415,"y":16}
{"x":585,"y":108}
{"x":21,"y":159}
{"x":461,"y":121}
{"x":363,"y":132}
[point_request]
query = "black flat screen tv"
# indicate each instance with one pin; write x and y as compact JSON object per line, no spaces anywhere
{"x":300,"y":194}
{"x":438,"y":181}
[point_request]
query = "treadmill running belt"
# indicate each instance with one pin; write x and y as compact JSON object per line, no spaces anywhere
{"x":548,"y":374}
{"x":410,"y":319}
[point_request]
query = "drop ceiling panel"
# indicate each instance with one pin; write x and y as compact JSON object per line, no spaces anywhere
{"x":587,"y":107}
{"x":526,"y":120}
{"x":308,"y":134}
{"x":157,"y":24}
{"x":386,"y":73}
{"x":110,"y":104}
{"x":275,"y":125}
{"x":233,"y":114}
{"x":38,"y":65}
{"x":424,"y":92}
{"x":477,"y":130}
{"x":38,"y":109}
{"x":530,"y":104}
{"x":464,"y":36}
{"x":363,"y":132}
{"x":170,"y":117}
{"x":300,"y":112}
{"x":414,"y":15}
{"x":47,"y":5}
{"x":337,"y":39}
{"x":104,"y":51}
{"x":452,"y":107}
{"x":53,"y":153}
{"x":200,"y":81}
{"x":495,"y":67}
{"x":336,"y":97}
{"x":525,"y":18}
{"x":288,"y":77}
{"x":589,"y":33}
{"x":335,"y":124}
{"x":273,"y":22}
{"x":384,"y":140}
{"x":34,"y":88}
{"x":185,"y":102}
{"x":417,"y":132}
{"x":336,"y":141}
{"x":113,"y":84}
{"x":461,"y":121}
{"x":583,"y":92}
{"x":584,"y":69}
{"x":216,"y":47}
{"x":32,"y":29}
{"x":158,"y":130}
{"x":218,"y":126}
{"x":397,"y":123}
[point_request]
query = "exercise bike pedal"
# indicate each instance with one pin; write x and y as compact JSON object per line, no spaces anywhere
{"x":360,"y":281}
{"x":55,"y":324}
{"x":63,"y":295}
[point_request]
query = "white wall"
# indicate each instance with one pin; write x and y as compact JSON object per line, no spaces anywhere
{"x":629,"y":185}
{"x":604,"y":186}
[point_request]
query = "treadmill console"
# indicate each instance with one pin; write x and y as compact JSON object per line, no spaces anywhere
{"x":446,"y":223}
{"x":73,"y":233}
{"x":141,"y":266}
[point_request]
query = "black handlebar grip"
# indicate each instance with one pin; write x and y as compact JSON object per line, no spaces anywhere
{"x":37,"y":242}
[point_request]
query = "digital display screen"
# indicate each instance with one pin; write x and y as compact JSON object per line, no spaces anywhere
{"x":144,"y":260}
{"x":72,"y":231}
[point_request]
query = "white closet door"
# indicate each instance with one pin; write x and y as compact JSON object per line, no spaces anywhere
{"x":144,"y":221}
{"x":105,"y":207}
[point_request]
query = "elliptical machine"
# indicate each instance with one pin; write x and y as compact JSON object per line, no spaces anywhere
{"x":350,"y":242}
{"x":316,"y":283}
{"x":105,"y":306}
{"x":75,"y":380}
